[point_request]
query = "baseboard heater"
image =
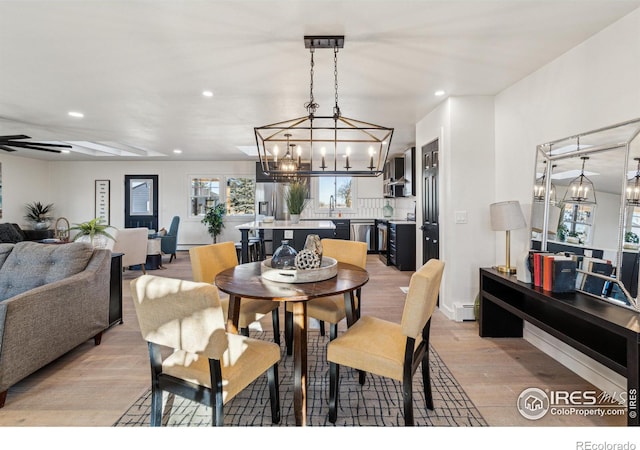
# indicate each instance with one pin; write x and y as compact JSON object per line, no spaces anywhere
{"x":464,"y":313}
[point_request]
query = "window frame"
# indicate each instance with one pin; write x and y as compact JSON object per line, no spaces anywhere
{"x":222,"y":193}
{"x":316,"y":195}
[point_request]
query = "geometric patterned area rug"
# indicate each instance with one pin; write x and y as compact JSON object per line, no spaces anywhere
{"x":376,"y":403}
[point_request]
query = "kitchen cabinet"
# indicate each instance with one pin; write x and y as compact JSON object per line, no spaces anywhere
{"x":410,"y":172}
{"x":402,"y":245}
{"x":393,"y":181}
{"x":343,"y":230}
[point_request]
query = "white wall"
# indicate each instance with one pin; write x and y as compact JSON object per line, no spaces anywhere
{"x":23,"y":181}
{"x":594,"y":85}
{"x":464,"y":127}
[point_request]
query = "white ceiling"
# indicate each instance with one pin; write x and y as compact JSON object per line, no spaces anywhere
{"x":136,"y":69}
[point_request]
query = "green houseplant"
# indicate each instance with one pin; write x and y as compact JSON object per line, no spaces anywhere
{"x":213,"y":219}
{"x":631,"y":240}
{"x":94,"y":231}
{"x":39,"y":215}
{"x":296,"y":199}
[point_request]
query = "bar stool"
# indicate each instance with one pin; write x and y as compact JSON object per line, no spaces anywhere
{"x":253,"y":251}
{"x":260,"y":250}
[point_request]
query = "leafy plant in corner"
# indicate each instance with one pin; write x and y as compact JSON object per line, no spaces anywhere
{"x":296,"y":197}
{"x":631,"y":237}
{"x":37,"y":212}
{"x":92,"y":228}
{"x":213,"y":219}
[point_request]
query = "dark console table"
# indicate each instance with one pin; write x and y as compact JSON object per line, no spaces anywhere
{"x":607,"y":333}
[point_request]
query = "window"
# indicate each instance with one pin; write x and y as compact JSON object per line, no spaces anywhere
{"x":577,"y":220}
{"x":205,"y":192}
{"x":341,"y":188}
{"x":240,"y":196}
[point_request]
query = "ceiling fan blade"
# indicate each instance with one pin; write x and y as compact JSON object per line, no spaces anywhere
{"x":37,"y":147}
{"x":15,"y":136}
{"x":7,"y":149}
{"x":44,"y":144}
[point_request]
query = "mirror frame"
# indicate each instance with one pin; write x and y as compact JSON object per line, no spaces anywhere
{"x":544,"y":153}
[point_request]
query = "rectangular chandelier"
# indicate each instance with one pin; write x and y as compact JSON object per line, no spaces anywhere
{"x":323,"y":145}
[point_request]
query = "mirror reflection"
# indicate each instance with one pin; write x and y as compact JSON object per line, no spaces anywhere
{"x":586,"y":199}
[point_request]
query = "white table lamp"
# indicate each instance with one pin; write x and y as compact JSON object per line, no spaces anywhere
{"x":507,"y":216}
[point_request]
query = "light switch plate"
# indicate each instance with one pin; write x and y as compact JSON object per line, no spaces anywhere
{"x":288,"y":234}
{"x":461,"y":217}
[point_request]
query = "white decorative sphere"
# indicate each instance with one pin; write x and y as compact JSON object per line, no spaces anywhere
{"x":307,"y":259}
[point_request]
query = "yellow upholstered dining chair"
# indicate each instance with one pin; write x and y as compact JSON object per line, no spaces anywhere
{"x":207,"y":261}
{"x":389,"y":349}
{"x":207,"y":365}
{"x":331,"y":309}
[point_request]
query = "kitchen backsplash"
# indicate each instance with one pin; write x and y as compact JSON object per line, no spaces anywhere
{"x":370,"y":208}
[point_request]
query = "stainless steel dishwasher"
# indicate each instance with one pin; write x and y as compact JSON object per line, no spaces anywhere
{"x":362,"y":230}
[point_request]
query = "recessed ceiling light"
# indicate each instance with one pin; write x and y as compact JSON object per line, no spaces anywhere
{"x":177,"y":151}
{"x":76,"y":114}
{"x":439,"y":93}
{"x":207,"y":94}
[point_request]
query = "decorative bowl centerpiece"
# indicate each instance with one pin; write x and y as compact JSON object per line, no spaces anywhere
{"x":328,"y":269}
{"x":268,"y":219}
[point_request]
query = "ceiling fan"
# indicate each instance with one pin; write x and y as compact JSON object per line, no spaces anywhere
{"x":7,"y":142}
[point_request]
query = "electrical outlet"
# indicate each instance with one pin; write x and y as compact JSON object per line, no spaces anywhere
{"x":288,"y":234}
{"x":461,"y":217}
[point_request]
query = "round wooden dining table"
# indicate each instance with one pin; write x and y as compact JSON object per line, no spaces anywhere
{"x":245,"y":281}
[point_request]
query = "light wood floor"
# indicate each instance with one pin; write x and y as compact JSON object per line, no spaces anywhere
{"x":94,"y":385}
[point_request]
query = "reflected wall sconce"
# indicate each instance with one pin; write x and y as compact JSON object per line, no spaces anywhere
{"x":581,"y":189}
{"x":633,"y":187}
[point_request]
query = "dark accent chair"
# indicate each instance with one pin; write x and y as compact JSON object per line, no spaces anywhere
{"x":169,"y":242}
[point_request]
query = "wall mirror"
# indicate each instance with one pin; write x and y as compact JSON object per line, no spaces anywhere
{"x":586,"y":200}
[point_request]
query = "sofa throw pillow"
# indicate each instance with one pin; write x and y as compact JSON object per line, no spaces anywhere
{"x":31,"y":264}
{"x":9,"y":233}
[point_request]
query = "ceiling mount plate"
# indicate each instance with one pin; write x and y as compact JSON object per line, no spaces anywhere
{"x":324,"y":41}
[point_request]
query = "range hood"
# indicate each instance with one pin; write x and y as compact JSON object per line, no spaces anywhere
{"x":399,"y":182}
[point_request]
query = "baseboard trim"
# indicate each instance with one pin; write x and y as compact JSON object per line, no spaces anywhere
{"x":591,"y":370}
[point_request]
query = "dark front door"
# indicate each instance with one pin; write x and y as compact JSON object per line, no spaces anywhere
{"x":141,"y":201}
{"x":430,"y":208}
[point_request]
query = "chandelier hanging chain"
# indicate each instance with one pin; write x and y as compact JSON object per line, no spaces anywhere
{"x":336,"y":108}
{"x":311,"y":106}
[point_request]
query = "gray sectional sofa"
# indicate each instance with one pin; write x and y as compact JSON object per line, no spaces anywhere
{"x":52,"y":299}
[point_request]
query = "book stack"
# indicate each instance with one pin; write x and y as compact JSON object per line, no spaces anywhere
{"x":595,"y":285}
{"x":554,"y":272}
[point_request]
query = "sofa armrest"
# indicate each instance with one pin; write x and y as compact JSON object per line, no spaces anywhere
{"x":44,"y":323}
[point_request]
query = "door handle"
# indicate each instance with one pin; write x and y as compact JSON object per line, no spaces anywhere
{"x":422,"y":227}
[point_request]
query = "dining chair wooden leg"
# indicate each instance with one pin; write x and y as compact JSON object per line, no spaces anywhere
{"x":334,"y":389}
{"x":362,"y":376}
{"x":407,"y":395}
{"x":217,"y":411}
{"x":322,"y":328}
{"x":288,"y":331}
{"x":156,"y":407}
{"x":274,"y":393}
{"x":275,"y":321}
{"x":426,"y":380}
{"x":333,"y":331}
{"x":244,"y":331}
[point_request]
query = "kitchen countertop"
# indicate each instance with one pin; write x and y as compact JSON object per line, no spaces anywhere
{"x":402,"y":222}
{"x":287,"y":224}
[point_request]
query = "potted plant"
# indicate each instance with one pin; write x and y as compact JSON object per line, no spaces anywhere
{"x":94,"y":232}
{"x":573,"y":237}
{"x":296,"y":200}
{"x":213,"y":219}
{"x":39,"y":215}
{"x":631,"y":240}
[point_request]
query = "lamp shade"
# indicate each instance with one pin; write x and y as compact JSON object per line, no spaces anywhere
{"x":506,"y":216}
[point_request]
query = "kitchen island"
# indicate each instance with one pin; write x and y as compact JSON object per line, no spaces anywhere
{"x":295,"y":233}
